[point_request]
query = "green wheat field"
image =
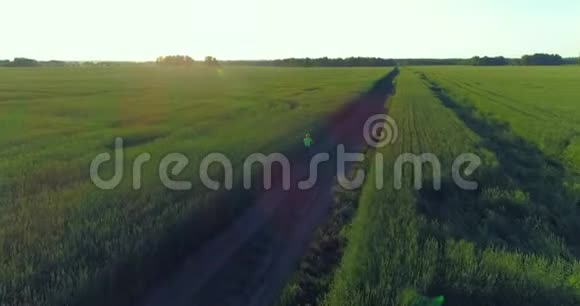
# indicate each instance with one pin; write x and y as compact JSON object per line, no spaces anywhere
{"x":513,"y":241}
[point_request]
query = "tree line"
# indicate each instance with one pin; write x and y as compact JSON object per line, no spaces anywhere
{"x":322,"y":62}
{"x":20,"y":62}
{"x":542,"y":59}
{"x":535,"y":59}
{"x":490,"y":61}
{"x":184,"y":60}
{"x":431,"y":61}
{"x":171,"y":60}
{"x":27,"y":62}
{"x":174,"y":60}
{"x":526,"y":60}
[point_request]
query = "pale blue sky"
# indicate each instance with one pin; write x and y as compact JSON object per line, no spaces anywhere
{"x":266,"y":29}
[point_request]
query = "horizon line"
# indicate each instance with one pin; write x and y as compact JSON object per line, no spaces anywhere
{"x":275,"y":59}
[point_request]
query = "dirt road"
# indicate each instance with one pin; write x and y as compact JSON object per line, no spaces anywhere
{"x":249,"y":262}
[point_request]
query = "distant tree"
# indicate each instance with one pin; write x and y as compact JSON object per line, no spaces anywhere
{"x":570,"y":60}
{"x":515,"y":61}
{"x":22,"y":62}
{"x":175,"y":60}
{"x":542,"y":59}
{"x":488,"y":61}
{"x":211,"y":61}
{"x":54,"y":63}
{"x":4,"y":63}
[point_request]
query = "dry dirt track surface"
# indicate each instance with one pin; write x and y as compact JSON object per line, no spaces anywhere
{"x":249,"y":262}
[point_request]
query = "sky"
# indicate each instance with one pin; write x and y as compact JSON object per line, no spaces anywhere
{"x":141,"y":30}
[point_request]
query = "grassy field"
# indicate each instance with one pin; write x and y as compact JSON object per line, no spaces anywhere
{"x":63,"y":241}
{"x":513,"y":241}
{"x":539,"y":104}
